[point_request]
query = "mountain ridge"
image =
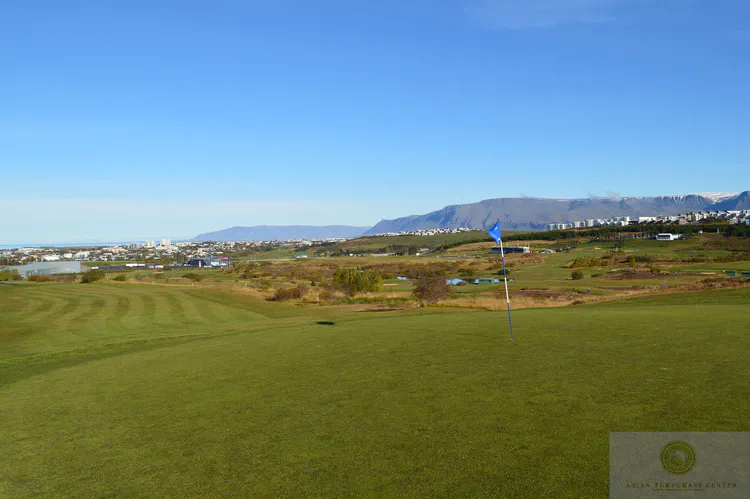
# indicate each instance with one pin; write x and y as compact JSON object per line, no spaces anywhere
{"x":531,"y":213}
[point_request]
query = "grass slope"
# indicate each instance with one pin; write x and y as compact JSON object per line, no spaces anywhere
{"x":137,"y":390}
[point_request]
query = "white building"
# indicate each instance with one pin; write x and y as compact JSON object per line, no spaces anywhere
{"x":165,"y":242}
{"x":667,"y":237}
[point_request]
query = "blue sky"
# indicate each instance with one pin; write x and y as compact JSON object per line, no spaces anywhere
{"x":134,"y":119}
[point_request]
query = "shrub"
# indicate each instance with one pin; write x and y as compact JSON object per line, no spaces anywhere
{"x":92,"y":276}
{"x":431,"y":288}
{"x":41,"y":278}
{"x":120,"y":278}
{"x":655,"y":270}
{"x":467,"y":272}
{"x":284,"y":294}
{"x":193,"y":276}
{"x":577,"y":275}
{"x":587,"y":261}
{"x":325,"y":295}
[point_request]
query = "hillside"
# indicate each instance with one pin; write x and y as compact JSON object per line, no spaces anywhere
{"x":740,"y":202}
{"x":535,"y":213}
{"x":281,"y":233}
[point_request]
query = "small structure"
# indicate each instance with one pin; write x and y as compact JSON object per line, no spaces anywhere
{"x":47,"y":268}
{"x":521,"y":250}
{"x":489,"y":280}
{"x":667,"y":237}
{"x":222,"y":261}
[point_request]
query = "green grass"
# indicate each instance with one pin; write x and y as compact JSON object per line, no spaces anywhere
{"x":174,"y":391}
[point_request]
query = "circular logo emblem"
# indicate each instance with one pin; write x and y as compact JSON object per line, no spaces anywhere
{"x":678,"y":458}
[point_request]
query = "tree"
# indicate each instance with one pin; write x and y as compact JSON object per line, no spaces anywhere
{"x":431,"y":288}
{"x":356,"y":281}
{"x":577,"y":275}
{"x":9,"y":275}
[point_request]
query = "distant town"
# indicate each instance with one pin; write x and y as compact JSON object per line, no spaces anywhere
{"x":732,"y":217}
{"x":150,"y":250}
{"x":424,"y":232}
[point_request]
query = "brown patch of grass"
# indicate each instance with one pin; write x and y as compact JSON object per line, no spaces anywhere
{"x":517,"y":303}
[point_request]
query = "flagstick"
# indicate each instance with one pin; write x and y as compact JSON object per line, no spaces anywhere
{"x":505,"y":280}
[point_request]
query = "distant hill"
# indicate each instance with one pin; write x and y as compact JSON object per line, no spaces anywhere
{"x":535,"y":213}
{"x":281,"y":233}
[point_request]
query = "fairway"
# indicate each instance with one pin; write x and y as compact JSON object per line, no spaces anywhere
{"x":148,"y":390}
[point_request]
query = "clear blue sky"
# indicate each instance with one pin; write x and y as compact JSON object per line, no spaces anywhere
{"x":130,"y":119}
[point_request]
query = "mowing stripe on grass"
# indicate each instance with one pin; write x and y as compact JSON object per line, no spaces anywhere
{"x":81,"y":319}
{"x":205,"y":311}
{"x":114,"y":321}
{"x":148,"y":316}
{"x":58,"y":303}
{"x":32,"y":302}
{"x":135,"y":310}
{"x":163,"y":313}
{"x":176,"y":310}
{"x":188,"y":306}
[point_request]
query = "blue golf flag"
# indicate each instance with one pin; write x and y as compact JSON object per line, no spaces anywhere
{"x":495,"y":232}
{"x":498,"y":237}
